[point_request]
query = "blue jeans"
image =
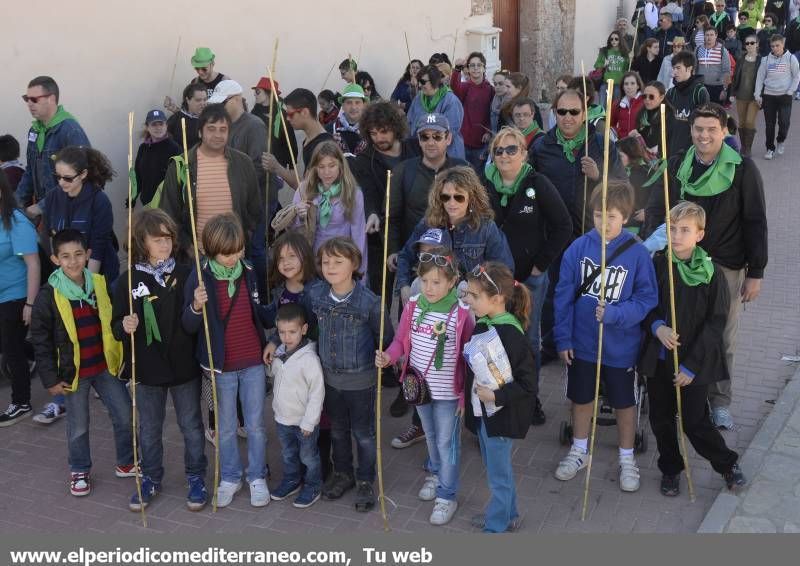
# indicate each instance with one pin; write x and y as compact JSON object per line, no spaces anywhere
{"x":250,"y":386}
{"x":297,"y":449}
{"x":115,"y":397}
{"x":352,"y":413}
{"x":537,"y":288}
{"x":151,"y":401}
{"x":438,"y":421}
{"x":502,"y":507}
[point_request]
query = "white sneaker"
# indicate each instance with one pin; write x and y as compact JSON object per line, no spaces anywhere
{"x":51,"y":412}
{"x":259,"y":493}
{"x":428,"y":491}
{"x":226,"y":491}
{"x":443,"y":511}
{"x":780,"y":148}
{"x":572,"y":463}
{"x":769,"y":155}
{"x":628,"y":474}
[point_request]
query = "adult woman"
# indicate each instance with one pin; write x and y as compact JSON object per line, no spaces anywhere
{"x":500,"y":98}
{"x":331,"y":188}
{"x":195,"y":98}
{"x":647,"y":185}
{"x":613,"y":60}
{"x":518,"y":87}
{"x":742,"y":89}
{"x":697,"y":36}
{"x":625,"y":110}
{"x":648,"y":63}
{"x":406,"y":88}
{"x":561,"y":85}
{"x":435,"y":96}
{"x":648,"y":122}
{"x":153,"y":156}
{"x":82,"y":173}
{"x":365,"y":81}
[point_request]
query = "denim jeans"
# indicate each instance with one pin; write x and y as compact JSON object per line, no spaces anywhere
{"x":502,"y":507}
{"x":115,"y":397}
{"x":297,"y":449}
{"x":250,"y":386}
{"x":438,"y":420}
{"x":352,"y":412}
{"x":151,"y":401}
{"x":537,"y":288}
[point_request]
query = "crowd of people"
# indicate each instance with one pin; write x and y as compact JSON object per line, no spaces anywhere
{"x":495,"y":231}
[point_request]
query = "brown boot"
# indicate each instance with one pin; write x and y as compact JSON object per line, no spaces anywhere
{"x":747,"y":135}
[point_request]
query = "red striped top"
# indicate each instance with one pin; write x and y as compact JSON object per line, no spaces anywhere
{"x":242,"y":346}
{"x":90,"y":339}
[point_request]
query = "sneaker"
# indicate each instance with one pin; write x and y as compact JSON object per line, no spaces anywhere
{"x":284,"y":490}
{"x":211,"y":437}
{"x":80,"y":484}
{"x":769,"y":155}
{"x":259,"y":493}
{"x":399,"y":406}
{"x":428,"y":491}
{"x":479,"y":522}
{"x":412,"y":435}
{"x":628,"y":473}
{"x":734,"y":478}
{"x":337,"y":485}
{"x":539,"y":417}
{"x":150,"y":490}
{"x":241,"y":432}
{"x":197,"y":497}
{"x":573,"y":462}
{"x":14,"y":414}
{"x":365,"y":496}
{"x":797,"y":95}
{"x":226,"y":491}
{"x":51,"y":412}
{"x":443,"y":511}
{"x":670,"y":485}
{"x":308,"y":496}
{"x":129,"y":471}
{"x":780,"y":148}
{"x":721,"y":416}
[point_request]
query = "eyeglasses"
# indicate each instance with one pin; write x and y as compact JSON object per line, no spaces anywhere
{"x":428,"y":137}
{"x":650,"y":97}
{"x":500,"y":83}
{"x":460,"y":199}
{"x":438,"y":260}
{"x":475,"y":66}
{"x":66,"y":178}
{"x":516,"y":115}
{"x":751,"y":43}
{"x":570,"y":111}
{"x":614,"y":39}
{"x":508,"y":150}
{"x":480,"y":270}
{"x":35,"y":99}
{"x":423,"y":82}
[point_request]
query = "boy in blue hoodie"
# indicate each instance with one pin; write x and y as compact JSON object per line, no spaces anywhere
{"x":630,"y":294}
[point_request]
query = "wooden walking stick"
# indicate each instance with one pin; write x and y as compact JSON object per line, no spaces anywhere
{"x":174,"y":66}
{"x":130,"y":313}
{"x":408,"y":50}
{"x":328,"y":76}
{"x":606,"y":144}
{"x":205,"y":314}
{"x":274,"y":97}
{"x":586,"y":147}
{"x":455,"y":41}
{"x":269,"y":150}
{"x":674,"y":322}
{"x":633,"y":47}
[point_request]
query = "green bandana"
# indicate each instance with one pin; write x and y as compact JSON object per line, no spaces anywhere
{"x":569,"y":146}
{"x":657,"y":167}
{"x":325,"y":206}
{"x":134,"y":186}
{"x":596,"y":112}
{"x":697,"y":270}
{"x":716,"y":179}
{"x":150,"y":322}
{"x":67,"y":287}
{"x":504,"y":318}
{"x":443,"y":305}
{"x":276,"y":121}
{"x":41,"y":128}
{"x":493,"y":174}
{"x":429,"y":103}
{"x":530,"y":129}
{"x":716,"y":18}
{"x":226,"y":274}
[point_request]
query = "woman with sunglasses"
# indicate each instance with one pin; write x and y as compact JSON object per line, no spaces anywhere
{"x":648,"y":121}
{"x":625,"y":110}
{"x":365,"y":81}
{"x":743,"y":91}
{"x":435,"y":96}
{"x":613,"y":60}
{"x":535,"y":221}
{"x":697,"y":36}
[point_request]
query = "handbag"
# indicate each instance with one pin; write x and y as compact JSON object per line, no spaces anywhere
{"x":416,"y":390}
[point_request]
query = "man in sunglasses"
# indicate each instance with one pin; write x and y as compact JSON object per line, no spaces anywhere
{"x":666,"y":34}
{"x":203,"y":64}
{"x":53,"y":128}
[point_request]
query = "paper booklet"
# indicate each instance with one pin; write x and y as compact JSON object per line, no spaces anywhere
{"x":487,"y":357}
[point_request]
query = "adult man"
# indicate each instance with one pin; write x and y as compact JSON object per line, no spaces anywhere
{"x":345,"y":128}
{"x":222,"y":180}
{"x":744,"y":30}
{"x":469,"y":84}
{"x":53,"y":128}
{"x":280,"y":148}
{"x":780,"y":9}
{"x":777,"y":78}
{"x":793,"y":42}
{"x":523,"y":114}
{"x":687,"y":94}
{"x":348,"y":69}
{"x":666,"y":34}
{"x":720,"y":19}
{"x":622,"y":30}
{"x":730,"y":189}
{"x":714,"y":64}
{"x":203,"y":64}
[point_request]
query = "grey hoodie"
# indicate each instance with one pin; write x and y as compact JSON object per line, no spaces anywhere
{"x":299,"y":387}
{"x":777,"y":76}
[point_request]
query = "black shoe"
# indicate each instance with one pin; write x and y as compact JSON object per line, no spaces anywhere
{"x":548,"y":356}
{"x":399,"y":407}
{"x":365,"y":497}
{"x":15,"y":413}
{"x":734,"y":478}
{"x":670,"y":485}
{"x":539,"y":417}
{"x":337,"y":485}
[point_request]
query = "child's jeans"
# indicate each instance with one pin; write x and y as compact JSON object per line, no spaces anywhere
{"x":352,"y":413}
{"x":438,"y":420}
{"x":250,"y":386}
{"x":115,"y":397}
{"x":502,"y":507}
{"x":297,"y":449}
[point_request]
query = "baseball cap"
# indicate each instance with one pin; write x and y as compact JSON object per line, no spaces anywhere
{"x":202,"y":57}
{"x":432,"y":237}
{"x":224,"y":90}
{"x":433,"y":121}
{"x":265,"y":84}
{"x":155,"y":115}
{"x":353,"y":90}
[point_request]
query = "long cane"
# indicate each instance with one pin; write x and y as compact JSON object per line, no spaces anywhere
{"x":328,"y":76}
{"x":455,"y":41}
{"x":131,"y":335}
{"x":585,"y":147}
{"x":174,"y":66}
{"x":379,"y":455}
{"x":408,"y":50}
{"x":674,"y":323}
{"x":606,"y":143}
{"x":274,"y":96}
{"x":633,"y":47}
{"x":269,"y":150}
{"x":205,"y":315}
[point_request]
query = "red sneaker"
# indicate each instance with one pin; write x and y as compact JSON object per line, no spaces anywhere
{"x":128,"y":471}
{"x":79,"y":484}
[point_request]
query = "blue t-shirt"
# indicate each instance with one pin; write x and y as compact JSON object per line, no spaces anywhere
{"x":19,"y":241}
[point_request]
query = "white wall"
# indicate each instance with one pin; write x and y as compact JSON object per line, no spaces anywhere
{"x":594,"y":20}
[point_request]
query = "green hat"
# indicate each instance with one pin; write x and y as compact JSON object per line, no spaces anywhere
{"x":203,"y":56}
{"x":352,"y":91}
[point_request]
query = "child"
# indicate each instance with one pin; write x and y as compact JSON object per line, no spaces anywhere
{"x":701,"y":302}
{"x":165,"y":357}
{"x":630,"y":293}
{"x":237,"y":339}
{"x":293,"y":267}
{"x":503,"y":305}
{"x":75,"y":351}
{"x":433,"y":328}
{"x":732,"y":43}
{"x":297,"y":403}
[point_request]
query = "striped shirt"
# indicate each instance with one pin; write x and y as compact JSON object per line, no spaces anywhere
{"x":90,"y":339}
{"x":242,"y":346}
{"x":212,"y":190}
{"x":711,"y":56}
{"x":423,"y":349}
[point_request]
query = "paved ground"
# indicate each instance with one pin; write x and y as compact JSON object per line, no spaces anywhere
{"x":33,"y":472}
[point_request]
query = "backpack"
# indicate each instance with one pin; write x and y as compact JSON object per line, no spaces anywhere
{"x":180,"y":173}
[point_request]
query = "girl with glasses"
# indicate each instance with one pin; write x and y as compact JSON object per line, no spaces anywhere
{"x":743,"y":91}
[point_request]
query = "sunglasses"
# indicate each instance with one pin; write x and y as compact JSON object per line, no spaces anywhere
{"x":751,"y":43}
{"x":67,"y":178}
{"x":291,"y":113}
{"x":499,"y":83}
{"x":460,"y":199}
{"x":480,"y":270}
{"x":650,"y":96}
{"x":438,"y":260}
{"x":34,"y":99}
{"x":570,"y":111}
{"x":508,"y":150}
{"x":201,"y":69}
{"x":429,"y":137}
{"x":423,"y":82}
{"x":614,"y":39}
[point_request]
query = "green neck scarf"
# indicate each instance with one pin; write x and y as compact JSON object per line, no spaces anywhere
{"x":41,"y":128}
{"x":715,"y":180}
{"x":534,"y":127}
{"x":493,"y":174}
{"x":429,"y":103}
{"x":596,"y":112}
{"x":276,"y":120}
{"x":443,"y":305}
{"x":229,"y":274}
{"x":71,"y":290}
{"x":150,"y":322}
{"x":569,"y":146}
{"x":697,"y":270}
{"x":503,"y":318}
{"x":325,"y":206}
{"x":718,"y":17}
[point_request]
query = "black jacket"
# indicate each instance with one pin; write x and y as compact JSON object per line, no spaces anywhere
{"x":515,"y":397}
{"x":536,"y":223}
{"x":702,"y":312}
{"x":369,"y":168}
{"x":152,"y":160}
{"x":793,"y":36}
{"x":280,"y":149}
{"x":646,"y":198}
{"x":648,"y":70}
{"x":737,"y":78}
{"x":684,"y":98}
{"x":192,"y":129}
{"x":651,"y":131}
